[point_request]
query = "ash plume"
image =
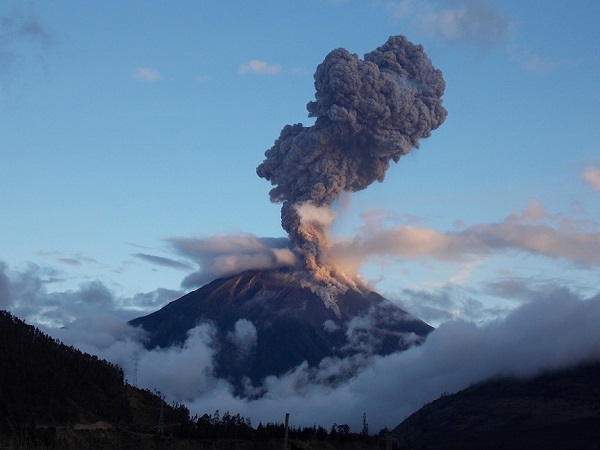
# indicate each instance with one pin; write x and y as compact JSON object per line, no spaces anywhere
{"x":368,"y":112}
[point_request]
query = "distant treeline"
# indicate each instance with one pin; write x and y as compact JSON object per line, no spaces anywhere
{"x":228,"y":426}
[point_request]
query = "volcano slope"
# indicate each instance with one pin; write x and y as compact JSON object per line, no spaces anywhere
{"x":284,"y":322}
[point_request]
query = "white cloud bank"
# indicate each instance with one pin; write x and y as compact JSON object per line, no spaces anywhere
{"x":552,"y":331}
{"x":551,"y":326}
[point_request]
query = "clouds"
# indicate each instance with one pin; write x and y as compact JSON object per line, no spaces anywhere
{"x":454,"y":356}
{"x":147,"y":75}
{"x":182,"y":373}
{"x":219,"y":256}
{"x":479,"y":24}
{"x":259,"y":67}
{"x":243,"y":336}
{"x":163,"y":261}
{"x":530,"y":232}
{"x":555,"y":328}
{"x":483,"y":268}
{"x":20,"y":26}
{"x":445,"y":303}
{"x":592,"y":177}
{"x":537,"y":64}
{"x":470,"y":22}
{"x":474,"y":22}
{"x":546,"y":326}
{"x":22,"y":38}
{"x":540,"y":65}
{"x":27,"y":293}
{"x":150,"y":75}
{"x":5,"y":296}
{"x":459,"y":257}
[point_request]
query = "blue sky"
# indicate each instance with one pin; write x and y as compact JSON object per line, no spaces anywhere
{"x":125,"y":126}
{"x":131,"y":131}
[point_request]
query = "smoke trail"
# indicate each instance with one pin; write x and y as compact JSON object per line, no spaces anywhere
{"x":367,"y":113}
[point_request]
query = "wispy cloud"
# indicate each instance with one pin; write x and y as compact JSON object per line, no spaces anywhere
{"x":73,"y":260}
{"x":539,"y":65}
{"x":444,"y":303}
{"x":147,"y":74}
{"x":69,"y":261}
{"x":18,"y":28}
{"x":400,"y":10}
{"x":202,"y":79}
{"x":21,"y":25}
{"x":592,"y":177}
{"x":259,"y":67}
{"x":163,"y":261}
{"x":473,"y":22}
{"x":219,"y":256}
{"x":532,"y":231}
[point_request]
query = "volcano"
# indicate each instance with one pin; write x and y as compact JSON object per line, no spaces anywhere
{"x":284,"y":324}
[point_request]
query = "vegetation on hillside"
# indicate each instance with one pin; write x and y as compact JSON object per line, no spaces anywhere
{"x":55,"y":396}
{"x":554,"y":410}
{"x":45,"y":381}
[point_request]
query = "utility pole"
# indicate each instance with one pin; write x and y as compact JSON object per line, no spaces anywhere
{"x":285,"y":431}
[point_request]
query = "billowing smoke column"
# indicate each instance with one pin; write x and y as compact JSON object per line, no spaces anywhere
{"x":367,"y":113}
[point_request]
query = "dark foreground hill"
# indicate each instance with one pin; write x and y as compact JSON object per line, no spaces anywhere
{"x":559,"y":410}
{"x":286,"y":323}
{"x":48,"y":388}
{"x":53,"y":396}
{"x":45,"y":381}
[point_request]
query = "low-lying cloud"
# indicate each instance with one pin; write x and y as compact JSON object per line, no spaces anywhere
{"x":243,"y":336}
{"x":552,"y":330}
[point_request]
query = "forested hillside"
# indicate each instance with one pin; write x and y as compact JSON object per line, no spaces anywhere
{"x":554,"y":410}
{"x":45,"y":381}
{"x":48,"y":390}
